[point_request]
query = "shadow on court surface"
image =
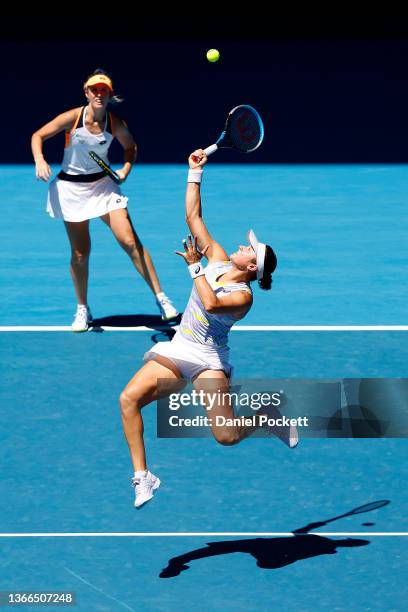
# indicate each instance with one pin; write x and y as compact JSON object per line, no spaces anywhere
{"x":273,"y":553}
{"x":270,"y":553}
{"x":165,"y":328}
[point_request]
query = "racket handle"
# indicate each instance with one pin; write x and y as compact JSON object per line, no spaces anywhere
{"x":208,"y":151}
{"x":211,"y":149}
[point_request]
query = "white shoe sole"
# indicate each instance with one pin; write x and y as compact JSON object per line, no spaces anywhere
{"x":293,"y":440}
{"x":80,"y":331}
{"x":164,"y":318}
{"x":155,"y":486}
{"x":288,"y":435}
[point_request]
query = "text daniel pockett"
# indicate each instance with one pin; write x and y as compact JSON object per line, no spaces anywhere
{"x":253,"y":420}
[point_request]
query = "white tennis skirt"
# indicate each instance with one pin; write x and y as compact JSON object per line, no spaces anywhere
{"x":191,"y":358}
{"x":81,"y":201}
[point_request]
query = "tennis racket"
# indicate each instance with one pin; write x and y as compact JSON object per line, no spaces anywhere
{"x":243,"y":131}
{"x":359,"y":510}
{"x":111,"y":173}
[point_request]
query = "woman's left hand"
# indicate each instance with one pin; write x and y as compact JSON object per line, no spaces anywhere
{"x":192,"y":253}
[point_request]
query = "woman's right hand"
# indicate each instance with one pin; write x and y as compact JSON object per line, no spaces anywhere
{"x":197,"y":159}
{"x":42,"y":170}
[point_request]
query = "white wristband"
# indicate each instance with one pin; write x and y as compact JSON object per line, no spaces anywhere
{"x":194,"y":176}
{"x":196,"y":270}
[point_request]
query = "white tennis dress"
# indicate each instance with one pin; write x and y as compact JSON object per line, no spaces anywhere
{"x":81,"y":191}
{"x":201,"y":342}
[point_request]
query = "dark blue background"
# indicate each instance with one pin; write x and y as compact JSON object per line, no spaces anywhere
{"x":334,"y":91}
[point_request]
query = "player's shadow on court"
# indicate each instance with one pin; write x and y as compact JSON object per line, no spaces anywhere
{"x":273,"y":553}
{"x":165,"y":329}
{"x":269,"y":553}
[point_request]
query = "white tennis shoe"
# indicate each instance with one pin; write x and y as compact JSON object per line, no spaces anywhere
{"x":144,"y":483}
{"x":167,"y":309}
{"x":82,"y":319}
{"x":287,"y":433}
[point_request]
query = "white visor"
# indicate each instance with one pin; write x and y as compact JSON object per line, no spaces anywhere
{"x":260,"y":250}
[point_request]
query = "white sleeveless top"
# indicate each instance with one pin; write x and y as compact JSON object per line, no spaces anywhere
{"x":206,"y":328}
{"x":79,"y":141}
{"x":81,"y":191}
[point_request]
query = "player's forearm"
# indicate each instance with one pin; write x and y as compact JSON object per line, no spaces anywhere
{"x":207,"y":296}
{"x":129,"y":156}
{"x":37,"y":146}
{"x":193,"y":201}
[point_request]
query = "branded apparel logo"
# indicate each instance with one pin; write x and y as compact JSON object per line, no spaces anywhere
{"x":102,"y":142}
{"x":196,"y":271}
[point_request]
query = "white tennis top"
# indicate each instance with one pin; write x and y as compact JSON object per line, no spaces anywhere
{"x":206,"y":328}
{"x":79,"y":141}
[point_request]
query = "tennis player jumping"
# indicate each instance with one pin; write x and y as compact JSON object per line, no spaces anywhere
{"x":199,"y":352}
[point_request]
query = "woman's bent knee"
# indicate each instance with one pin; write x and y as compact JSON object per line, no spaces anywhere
{"x":226,"y":437}
{"x":79,"y":258}
{"x":132,"y":248}
{"x":127,"y":404}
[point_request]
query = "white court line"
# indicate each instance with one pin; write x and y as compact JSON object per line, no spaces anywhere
{"x":38,"y":328}
{"x":206,"y":534}
{"x":98,"y":590}
{"x":235,"y":328}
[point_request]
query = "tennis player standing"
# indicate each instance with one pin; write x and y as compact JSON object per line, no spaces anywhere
{"x":81,"y":191}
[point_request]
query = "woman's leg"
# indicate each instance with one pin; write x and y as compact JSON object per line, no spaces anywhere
{"x":121,"y":225}
{"x":140,"y":391}
{"x":216,"y":386}
{"x":78,"y":234}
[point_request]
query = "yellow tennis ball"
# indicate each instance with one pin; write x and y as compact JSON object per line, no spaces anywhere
{"x":213,"y":55}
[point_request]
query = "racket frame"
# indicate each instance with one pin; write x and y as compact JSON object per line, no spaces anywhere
{"x":212,"y":148}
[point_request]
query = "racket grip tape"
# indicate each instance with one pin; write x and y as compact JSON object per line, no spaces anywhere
{"x":211,"y":149}
{"x":208,"y":151}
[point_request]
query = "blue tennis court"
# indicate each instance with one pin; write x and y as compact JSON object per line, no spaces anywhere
{"x":340,"y":236}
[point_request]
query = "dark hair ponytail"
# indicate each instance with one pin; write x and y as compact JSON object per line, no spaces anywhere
{"x":270,"y":263}
{"x":99,"y":71}
{"x":265,"y":283}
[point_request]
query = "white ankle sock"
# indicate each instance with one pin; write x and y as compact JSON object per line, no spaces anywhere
{"x":140,"y":473}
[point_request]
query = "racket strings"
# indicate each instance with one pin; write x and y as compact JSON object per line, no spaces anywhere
{"x":244,"y":130}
